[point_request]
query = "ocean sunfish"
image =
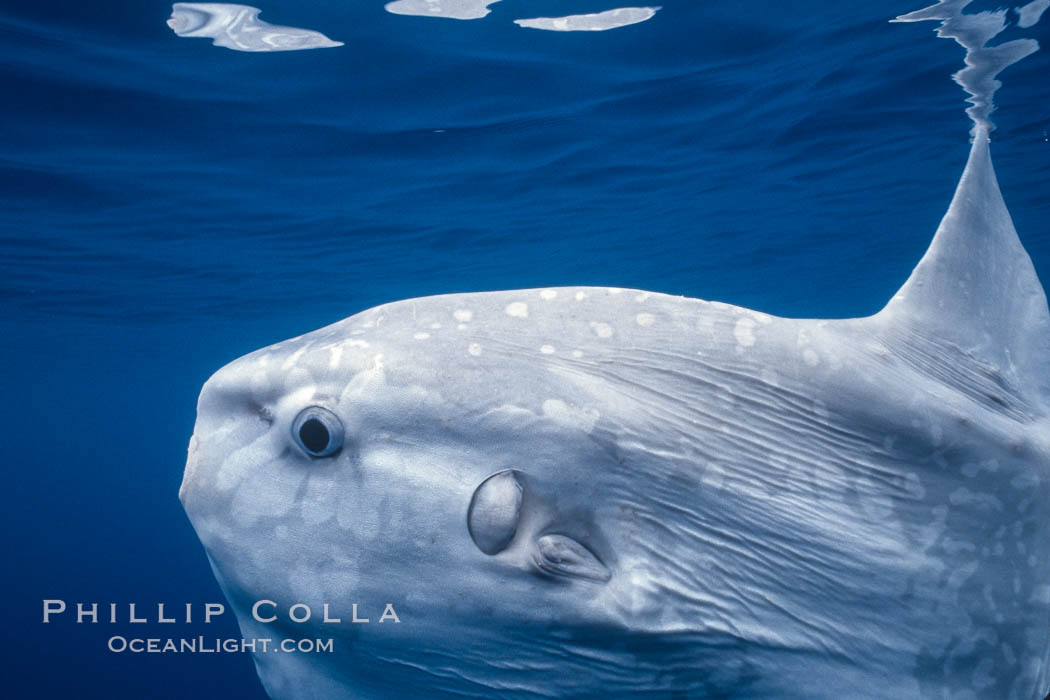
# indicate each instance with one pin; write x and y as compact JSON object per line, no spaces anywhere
{"x":582,"y":492}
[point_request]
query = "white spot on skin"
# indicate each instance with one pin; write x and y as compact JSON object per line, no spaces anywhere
{"x":1009,"y":655}
{"x":548,"y":294}
{"x":762,"y":318}
{"x":982,"y":675}
{"x":435,"y":326}
{"x":982,"y":501}
{"x":318,"y":504}
{"x":260,"y":383}
{"x":580,"y":296}
{"x":336,"y":353}
{"x":577,"y":354}
{"x":972,"y":469}
{"x":614,"y":290}
{"x":602,"y":330}
{"x":744,"y":332}
{"x":355,"y":343}
{"x":961,"y":575}
{"x":517,"y":309}
{"x":1041,"y":594}
{"x":913,"y":486}
{"x":461,"y":327}
{"x":239,"y":463}
{"x":810,"y":357}
{"x":474,"y":349}
{"x":1025,"y":482}
{"x":292,"y":359}
{"x":645,"y":320}
{"x":570,"y":415}
{"x":421,"y":336}
{"x":547,"y":349}
{"x":937,"y":434}
{"x":463,"y":315}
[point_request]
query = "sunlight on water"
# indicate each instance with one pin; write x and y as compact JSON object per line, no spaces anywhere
{"x":238,"y":27}
{"x":983,"y":62}
{"x":597,"y":22}
{"x":476,"y":9}
{"x":452,"y":9}
{"x":1030,"y":13}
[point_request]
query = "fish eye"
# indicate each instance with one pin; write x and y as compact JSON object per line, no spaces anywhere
{"x":318,"y":431}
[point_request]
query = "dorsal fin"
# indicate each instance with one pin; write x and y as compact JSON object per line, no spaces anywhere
{"x":976,"y":288}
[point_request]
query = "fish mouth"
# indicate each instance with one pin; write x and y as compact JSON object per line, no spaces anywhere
{"x":190,"y":471}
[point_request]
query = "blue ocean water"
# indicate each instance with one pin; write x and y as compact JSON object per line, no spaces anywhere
{"x":167,"y":205}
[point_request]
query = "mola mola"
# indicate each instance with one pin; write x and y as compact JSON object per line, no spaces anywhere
{"x":585,"y":491}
